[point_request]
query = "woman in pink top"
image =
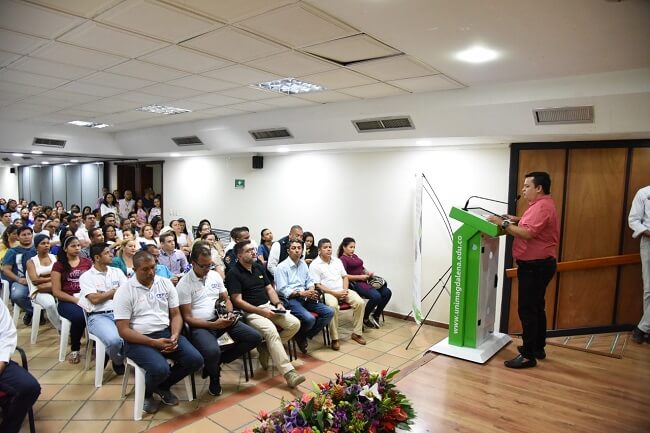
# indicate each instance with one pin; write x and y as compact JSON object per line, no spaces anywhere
{"x":377,"y":298}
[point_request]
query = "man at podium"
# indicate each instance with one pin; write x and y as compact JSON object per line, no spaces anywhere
{"x":536,"y":235}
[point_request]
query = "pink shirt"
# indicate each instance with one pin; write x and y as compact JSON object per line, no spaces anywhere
{"x":541,"y":220}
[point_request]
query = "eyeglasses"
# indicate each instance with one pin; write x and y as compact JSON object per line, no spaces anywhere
{"x":209,"y":266}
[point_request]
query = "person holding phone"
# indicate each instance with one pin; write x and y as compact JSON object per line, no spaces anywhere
{"x":198,"y":291}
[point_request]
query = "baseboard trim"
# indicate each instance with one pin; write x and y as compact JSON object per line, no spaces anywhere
{"x":410,"y":318}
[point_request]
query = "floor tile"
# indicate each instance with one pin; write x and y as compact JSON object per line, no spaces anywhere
{"x":108,"y":392}
{"x":46,"y":426}
{"x":97,"y":410}
{"x":84,"y":426}
{"x":57,"y":376}
{"x":75,"y":392}
{"x":261,"y":402}
{"x":49,"y":390}
{"x":126,"y":427}
{"x":202,"y":426}
{"x":232,"y":418}
{"x":58,"y":410}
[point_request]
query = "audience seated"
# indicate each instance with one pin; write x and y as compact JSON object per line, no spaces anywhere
{"x":161,"y":270}
{"x":125,"y":205}
{"x":279,"y":250}
{"x":215,"y":253}
{"x":171,"y":257}
{"x":108,"y":205}
{"x":126,"y":249}
{"x":311,"y":251}
{"x":39,"y":270}
{"x":237,"y":234}
{"x":263,"y":250}
{"x":83,"y":232}
{"x":14,"y":270}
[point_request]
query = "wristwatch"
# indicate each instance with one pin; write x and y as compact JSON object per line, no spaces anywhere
{"x":505,"y":224}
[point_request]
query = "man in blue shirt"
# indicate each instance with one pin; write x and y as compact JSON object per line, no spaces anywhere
{"x":296,"y":287}
{"x":14,"y":269}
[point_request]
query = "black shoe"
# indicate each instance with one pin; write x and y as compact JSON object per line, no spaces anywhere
{"x":43,"y":320}
{"x":167,"y":397}
{"x":215,"y":387}
{"x":520,"y":362}
{"x":368,"y":324}
{"x":637,"y":335}
{"x":538,"y":354}
{"x":150,"y":405}
{"x":27,"y":319}
{"x":118,"y":368}
{"x":302,"y":344}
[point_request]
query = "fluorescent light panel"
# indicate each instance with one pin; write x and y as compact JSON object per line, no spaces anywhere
{"x":163,"y":109}
{"x":290,"y":86}
{"x":88,"y":124}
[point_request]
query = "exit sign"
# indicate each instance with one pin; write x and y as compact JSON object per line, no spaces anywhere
{"x":240,"y":183}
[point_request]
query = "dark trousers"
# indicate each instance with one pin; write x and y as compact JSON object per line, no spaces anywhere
{"x":22,"y":392}
{"x":205,"y":341}
{"x":158,"y":374}
{"x":534,"y":276}
{"x":74,"y":314}
{"x":377,"y":299}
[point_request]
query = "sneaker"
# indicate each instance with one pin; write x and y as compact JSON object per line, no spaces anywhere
{"x":293,"y":378}
{"x":118,"y":368}
{"x":151,"y":405}
{"x":375,"y":321}
{"x":264,"y":356}
{"x":637,"y":335}
{"x":215,"y":387}
{"x":27,"y":319}
{"x":538,"y":354}
{"x":167,"y":397}
{"x":368,"y":324}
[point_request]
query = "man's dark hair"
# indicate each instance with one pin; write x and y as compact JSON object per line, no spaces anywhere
{"x":97,"y":249}
{"x":92,"y":231}
{"x":541,"y":178}
{"x":323,"y":242}
{"x":239,"y":246}
{"x":302,"y":244}
{"x":200,"y":248}
{"x":40,"y":215}
{"x":23,"y":229}
{"x":163,"y":237}
{"x":150,"y":247}
{"x":70,"y":217}
{"x":237,"y":231}
{"x":142,"y":256}
{"x":89,"y":215}
{"x":5,"y":212}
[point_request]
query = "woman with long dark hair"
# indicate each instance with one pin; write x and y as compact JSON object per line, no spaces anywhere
{"x":377,"y":298}
{"x":157,"y":224}
{"x":264,"y":248}
{"x":65,"y":287}
{"x":39,"y":279}
{"x":109,"y":204}
{"x":311,"y":250}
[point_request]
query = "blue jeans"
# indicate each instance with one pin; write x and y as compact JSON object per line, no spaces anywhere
{"x":22,"y":390}
{"x":103,"y":327}
{"x":205,"y":340}
{"x":74,"y":314}
{"x":309,"y":325}
{"x":158,"y":374}
{"x":377,"y":300}
{"x":19,"y":294}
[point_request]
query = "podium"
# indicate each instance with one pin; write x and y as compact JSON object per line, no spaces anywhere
{"x":474,"y":278}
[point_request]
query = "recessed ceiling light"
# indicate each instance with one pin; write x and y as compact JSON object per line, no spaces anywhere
{"x":477,"y":54}
{"x":37,"y":152}
{"x":174,"y":154}
{"x":74,"y":160}
{"x":162,"y":109}
{"x":17,"y":154}
{"x":282,"y":149}
{"x":45,"y":163}
{"x":16,"y":164}
{"x":290,"y":86}
{"x":88,"y":124}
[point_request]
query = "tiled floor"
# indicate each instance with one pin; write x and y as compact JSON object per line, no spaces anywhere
{"x":69,"y":402}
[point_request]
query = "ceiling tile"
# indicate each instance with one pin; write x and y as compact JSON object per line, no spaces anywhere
{"x":249,"y":93}
{"x":75,"y":114}
{"x":351,"y":49}
{"x":31,"y":79}
{"x":108,"y":105}
{"x":189,"y":104}
{"x":103,"y":38}
{"x":427,"y":84}
{"x":55,"y":118}
{"x":35,"y":20}
{"x":17,"y":115}
{"x":393,"y":68}
{"x":74,"y":98}
{"x":242,"y":74}
{"x":216,"y":99}
{"x":170,"y":92}
{"x":128,"y":116}
{"x":292,"y":64}
{"x":73,"y":55}
{"x":18,"y":42}
{"x":7,"y":58}
{"x":185,"y":59}
{"x":221,"y":111}
{"x":326,"y":97}
{"x":297,"y":25}
{"x":252,"y":107}
{"x":83,"y":8}
{"x":338,"y":79}
{"x":147,"y":71}
{"x":52,"y":69}
{"x":90,"y":89}
{"x":231,"y":10}
{"x":11,"y":87}
{"x":117,"y":81}
{"x":288,"y":101}
{"x":204,"y":84}
{"x":49,"y":102}
{"x":162,"y":21}
{"x":36,"y":109}
{"x":142,"y":99}
{"x":377,"y":90}
{"x":234,"y":44}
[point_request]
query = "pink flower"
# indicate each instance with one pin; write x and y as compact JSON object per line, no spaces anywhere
{"x":306,"y":398}
{"x":262,"y":415}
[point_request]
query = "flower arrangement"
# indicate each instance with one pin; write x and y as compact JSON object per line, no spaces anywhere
{"x":360,"y":402}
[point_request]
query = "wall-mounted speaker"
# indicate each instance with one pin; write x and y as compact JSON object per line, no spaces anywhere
{"x":12,"y":170}
{"x":258,"y":162}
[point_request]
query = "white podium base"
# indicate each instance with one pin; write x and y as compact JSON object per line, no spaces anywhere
{"x":480,"y":355}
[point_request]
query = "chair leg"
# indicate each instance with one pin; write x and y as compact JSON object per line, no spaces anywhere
{"x":65,"y":334}
{"x":125,"y":379}
{"x":36,"y":322}
{"x":138,"y":400}
{"x":190,"y":387}
{"x":5,"y":292}
{"x":16,"y":314}
{"x":100,"y":354}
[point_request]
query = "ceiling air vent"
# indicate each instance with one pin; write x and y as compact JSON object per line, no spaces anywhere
{"x":564,"y":115}
{"x":5,"y":159}
{"x":383,"y":124}
{"x":270,"y":134}
{"x":192,"y":140}
{"x":27,"y":157}
{"x":48,"y":142}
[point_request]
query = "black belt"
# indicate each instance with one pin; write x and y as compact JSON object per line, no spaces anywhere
{"x":100,"y":312}
{"x":535,"y":262}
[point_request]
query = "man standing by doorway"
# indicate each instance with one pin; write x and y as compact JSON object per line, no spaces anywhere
{"x":537,"y":234}
{"x":639,"y":221}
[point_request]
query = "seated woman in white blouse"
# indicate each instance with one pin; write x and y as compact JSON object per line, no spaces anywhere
{"x":39,"y":280}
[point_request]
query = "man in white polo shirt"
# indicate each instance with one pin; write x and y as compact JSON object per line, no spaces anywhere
{"x":329,"y":276}
{"x":198,"y":291}
{"x":148,"y":319}
{"x":98,"y":287}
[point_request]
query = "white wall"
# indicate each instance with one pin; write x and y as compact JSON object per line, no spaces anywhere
{"x":8,"y":183}
{"x":368,"y":196}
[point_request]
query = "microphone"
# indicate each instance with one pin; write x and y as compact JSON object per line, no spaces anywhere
{"x":517,"y":199}
{"x":484,"y":198}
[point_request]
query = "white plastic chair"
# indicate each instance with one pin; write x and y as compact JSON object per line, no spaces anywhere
{"x":5,"y":292}
{"x":138,"y":400}
{"x":36,"y":321}
{"x":16,"y":314}
{"x":65,"y":336}
{"x":100,"y":354}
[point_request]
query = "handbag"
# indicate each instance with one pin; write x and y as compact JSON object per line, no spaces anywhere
{"x":376,"y":282}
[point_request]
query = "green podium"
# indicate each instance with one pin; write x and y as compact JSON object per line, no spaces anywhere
{"x":474,"y":278}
